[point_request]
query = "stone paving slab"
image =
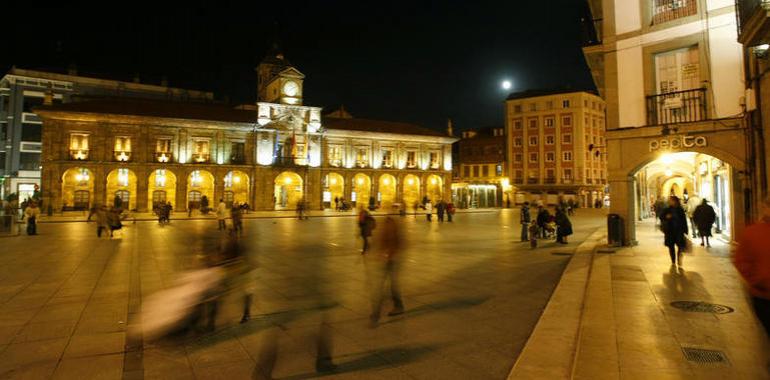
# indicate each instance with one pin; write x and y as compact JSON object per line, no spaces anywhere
{"x":626,"y":327}
{"x":69,"y":300}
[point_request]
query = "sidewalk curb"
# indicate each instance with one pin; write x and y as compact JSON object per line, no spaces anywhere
{"x":551,"y":349}
{"x":289,"y":215}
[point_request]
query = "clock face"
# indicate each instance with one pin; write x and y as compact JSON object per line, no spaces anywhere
{"x":291,"y":88}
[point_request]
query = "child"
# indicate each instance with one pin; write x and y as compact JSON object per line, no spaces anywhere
{"x":533,"y":232}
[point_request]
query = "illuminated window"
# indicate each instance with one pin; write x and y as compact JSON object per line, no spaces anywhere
{"x":411,"y":159}
{"x":160,"y":178}
{"x":362,"y":157}
{"x":201,"y":151}
{"x":79,"y":146}
{"x":163,"y":149}
{"x":195,"y":178}
{"x":122,"y":148}
{"x":122,"y":177}
{"x":228,"y":181}
{"x":335,"y":155}
{"x":548,"y":121}
{"x":387,"y":158}
{"x":434,"y":162}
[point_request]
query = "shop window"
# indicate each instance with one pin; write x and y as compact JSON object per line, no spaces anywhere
{"x":81,"y":199}
{"x":158,"y":198}
{"x":124,"y":196}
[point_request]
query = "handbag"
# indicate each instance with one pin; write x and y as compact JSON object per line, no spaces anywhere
{"x":687,"y":245}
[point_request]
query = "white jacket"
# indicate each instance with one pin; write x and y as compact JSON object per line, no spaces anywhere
{"x":222,"y":211}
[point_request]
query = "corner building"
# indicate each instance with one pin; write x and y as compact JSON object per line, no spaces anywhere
{"x":270,"y":155}
{"x":671,"y":73}
{"x":556,"y":146}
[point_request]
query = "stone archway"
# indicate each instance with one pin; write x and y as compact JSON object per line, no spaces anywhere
{"x":121,"y":183}
{"x":200,"y":184}
{"x":288,"y":190}
{"x":236,"y":188}
{"x":387,"y":191}
{"x":77,"y":189}
{"x":161,"y":188}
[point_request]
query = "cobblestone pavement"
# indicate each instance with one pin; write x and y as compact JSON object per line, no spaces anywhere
{"x":472,"y":292}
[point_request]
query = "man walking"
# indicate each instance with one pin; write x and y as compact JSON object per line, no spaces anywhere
{"x":752,"y":259}
{"x":31,"y":213}
{"x":440,"y":208}
{"x":703,"y":218}
{"x":525,"y":220}
{"x":389,"y":244}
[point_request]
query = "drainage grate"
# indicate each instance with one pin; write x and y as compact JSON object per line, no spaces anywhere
{"x":699,"y":355}
{"x":702,"y":307}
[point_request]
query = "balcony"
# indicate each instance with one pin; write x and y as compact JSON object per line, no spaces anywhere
{"x":164,"y":157}
{"x":753,"y":21}
{"x":290,"y":161}
{"x":677,"y":107}
{"x":200,"y":158}
{"x":237,"y":159}
{"x":121,"y":155}
{"x":335,"y":162}
{"x":533,"y":181}
{"x":669,"y":10}
{"x":79,"y":154}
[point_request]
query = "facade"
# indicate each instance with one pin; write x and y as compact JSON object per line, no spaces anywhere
{"x":754,"y":35}
{"x":480,"y":172}
{"x":271,"y":155}
{"x":556,"y":146}
{"x":20,"y":128}
{"x":671,"y":73}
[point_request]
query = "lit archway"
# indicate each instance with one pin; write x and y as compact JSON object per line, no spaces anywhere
{"x":288,"y":191}
{"x":161,"y":188}
{"x":77,"y":189}
{"x":236,"y":188}
{"x":362,"y":186}
{"x":411,"y":196}
{"x":200,"y":183}
{"x":121,"y":183}
{"x":434,"y":188}
{"x":335,"y":189}
{"x":387,"y":194}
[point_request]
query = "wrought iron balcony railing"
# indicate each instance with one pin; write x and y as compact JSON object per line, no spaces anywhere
{"x":668,"y":10}
{"x":677,"y":107}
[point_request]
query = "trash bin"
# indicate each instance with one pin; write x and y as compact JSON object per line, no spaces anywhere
{"x":615,"y":232}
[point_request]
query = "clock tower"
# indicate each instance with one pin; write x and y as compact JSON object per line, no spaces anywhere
{"x":277,"y":80}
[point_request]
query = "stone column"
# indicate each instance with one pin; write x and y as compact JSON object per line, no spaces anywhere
{"x":219,"y":183}
{"x":181,"y":189}
{"x":100,"y":185}
{"x":313,"y":191}
{"x":622,"y":190}
{"x":141,"y":189}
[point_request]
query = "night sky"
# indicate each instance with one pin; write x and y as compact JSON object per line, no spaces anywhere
{"x":418,"y":62}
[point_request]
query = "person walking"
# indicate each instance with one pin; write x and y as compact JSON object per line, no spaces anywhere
{"x":673,"y":221}
{"x":101,"y":220}
{"x":752,"y":259}
{"x":113,"y":221}
{"x":692,"y":204}
{"x":429,"y":210}
{"x":543,"y":217}
{"x":222,"y":214}
{"x":31,"y":213}
{"x":366,"y":224}
{"x":563,"y":226}
{"x":388,"y":247}
{"x":336,"y":203}
{"x":236,"y":214}
{"x":525,"y":220}
{"x":704,"y":217}
{"x":440,"y":209}
{"x":450,"y":211}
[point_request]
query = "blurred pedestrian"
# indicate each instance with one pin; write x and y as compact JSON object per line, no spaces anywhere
{"x":101,"y":220}
{"x":525,"y":219}
{"x":388,"y":259}
{"x":366,"y":225}
{"x":690,"y":206}
{"x":237,"y":216}
{"x":752,"y":259}
{"x":113,"y":221}
{"x":336,"y":203}
{"x":222,"y":214}
{"x":204,"y":205}
{"x":31,"y":213}
{"x":563,"y":226}
{"x":704,"y":218}
{"x":117,"y":202}
{"x":534,"y":229}
{"x":440,"y":209}
{"x":570,"y":207}
{"x":543,"y":217}
{"x":429,"y":210}
{"x":301,"y":209}
{"x":673,"y":222}
{"x":450,"y":211}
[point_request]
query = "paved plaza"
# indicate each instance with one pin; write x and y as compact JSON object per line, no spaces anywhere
{"x":472,"y":291}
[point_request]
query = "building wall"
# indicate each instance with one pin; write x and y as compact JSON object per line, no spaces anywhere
{"x":580,"y":173}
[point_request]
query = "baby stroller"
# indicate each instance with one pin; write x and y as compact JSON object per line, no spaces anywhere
{"x":550,"y":230}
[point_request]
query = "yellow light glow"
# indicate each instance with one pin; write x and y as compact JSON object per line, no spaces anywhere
{"x":333,"y":181}
{"x":237,"y":179}
{"x":410,"y":181}
{"x":432,"y":181}
{"x":287,"y":180}
{"x":360,"y":181}
{"x":386,"y":181}
{"x":79,"y":177}
{"x":667,"y":159}
{"x":669,"y":172}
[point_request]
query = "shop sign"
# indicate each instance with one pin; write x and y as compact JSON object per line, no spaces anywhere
{"x":678,"y":142}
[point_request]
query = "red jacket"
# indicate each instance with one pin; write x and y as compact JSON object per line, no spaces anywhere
{"x":752,"y":258}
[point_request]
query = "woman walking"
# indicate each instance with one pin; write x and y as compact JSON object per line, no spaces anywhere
{"x":673,"y":221}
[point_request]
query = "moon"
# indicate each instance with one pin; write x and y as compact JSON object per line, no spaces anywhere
{"x":506,"y":85}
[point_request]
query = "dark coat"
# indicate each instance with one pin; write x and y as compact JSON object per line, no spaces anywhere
{"x":525,"y":217}
{"x":542,"y":217}
{"x":704,"y":217}
{"x":564,"y":224}
{"x":673,"y":221}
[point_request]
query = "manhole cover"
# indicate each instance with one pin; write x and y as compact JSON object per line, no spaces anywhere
{"x":699,"y":355}
{"x":702,"y":307}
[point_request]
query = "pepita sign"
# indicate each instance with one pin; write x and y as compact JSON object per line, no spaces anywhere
{"x":678,"y":142}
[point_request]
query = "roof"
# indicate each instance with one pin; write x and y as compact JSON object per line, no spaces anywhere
{"x":546,"y":92}
{"x":368,"y":125}
{"x":156,"y":108}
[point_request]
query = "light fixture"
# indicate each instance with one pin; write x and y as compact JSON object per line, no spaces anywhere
{"x":667,"y":159}
{"x":163,"y":157}
{"x":287,"y":180}
{"x":760,"y":51}
{"x":360,"y":181}
{"x":333,"y":181}
{"x":79,"y":177}
{"x":123,"y":157}
{"x":237,"y":179}
{"x":432,"y":181}
{"x":386,"y":181}
{"x":668,"y":172}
